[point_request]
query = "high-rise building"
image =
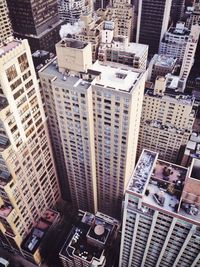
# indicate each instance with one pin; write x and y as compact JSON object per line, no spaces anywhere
{"x":167,"y":119}
{"x":177,"y":10}
{"x":91,"y":241}
{"x":180,"y":42}
{"x":190,"y":50}
{"x":70,"y":11}
{"x":100,"y":4}
{"x":123,"y":13}
{"x":153,"y":19}
{"x":97,"y":108}
{"x":194,"y":16}
{"x":37,"y":21}
{"x":174,"y":41}
{"x":28,"y":181}
{"x":161,"y":215}
{"x":5,"y":25}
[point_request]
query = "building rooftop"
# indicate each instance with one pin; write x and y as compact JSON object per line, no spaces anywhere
{"x":180,"y":29}
{"x":69,"y":42}
{"x":34,"y":238}
{"x":172,"y":97}
{"x":165,"y":127}
{"x":89,"y":238}
{"x":132,"y":48}
{"x":9,"y":46}
{"x":167,"y":186}
{"x":63,"y":80}
{"x":116,"y":76}
{"x":164,"y":61}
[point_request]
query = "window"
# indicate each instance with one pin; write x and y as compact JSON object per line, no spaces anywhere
{"x":23,"y":62}
{"x":11,"y":73}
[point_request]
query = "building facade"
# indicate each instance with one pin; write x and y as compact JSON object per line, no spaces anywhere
{"x":161,"y":65}
{"x":36,"y":21}
{"x":5,"y":24}
{"x":121,"y":51}
{"x":152,"y":23}
{"x":194,"y":16}
{"x":98,"y":111}
{"x":28,"y":180}
{"x":161,"y":215}
{"x":70,"y":11}
{"x":123,"y":13}
{"x":167,"y":120}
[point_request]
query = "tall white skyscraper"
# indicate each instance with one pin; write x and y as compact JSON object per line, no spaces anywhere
{"x":161,"y":215}
{"x":5,"y":24}
{"x":28,"y":181}
{"x":98,"y":110}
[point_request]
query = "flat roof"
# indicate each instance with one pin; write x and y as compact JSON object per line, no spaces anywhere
{"x":116,"y":76}
{"x":34,"y":238}
{"x":62,"y":80}
{"x":172,"y":97}
{"x":89,"y":237}
{"x":9,"y":46}
{"x":133,"y":48}
{"x":169,"y":186}
{"x":69,"y":42}
{"x":164,"y":61}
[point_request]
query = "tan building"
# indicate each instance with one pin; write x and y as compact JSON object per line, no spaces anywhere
{"x":161,"y":220}
{"x":193,"y":16}
{"x":190,"y":50}
{"x":5,"y":24}
{"x":122,"y":12}
{"x":123,"y":52}
{"x":28,"y":181}
{"x":98,"y":112}
{"x":90,"y":32}
{"x":167,"y":120}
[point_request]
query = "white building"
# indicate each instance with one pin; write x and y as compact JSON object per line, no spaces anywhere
{"x":5,"y":24}
{"x":121,"y":51}
{"x":28,"y":180}
{"x":98,"y":110}
{"x":161,"y":220}
{"x":167,"y":119}
{"x":190,"y":50}
{"x":71,"y":10}
{"x":174,"y":41}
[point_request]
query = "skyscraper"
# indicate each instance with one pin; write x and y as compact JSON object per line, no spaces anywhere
{"x":177,"y":10}
{"x":28,"y":181}
{"x":123,"y":14}
{"x":167,"y":119}
{"x":37,"y":21}
{"x":161,"y":215}
{"x":70,"y":11}
{"x":153,"y":19}
{"x":180,"y":42}
{"x":5,"y":25}
{"x":98,"y":110}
